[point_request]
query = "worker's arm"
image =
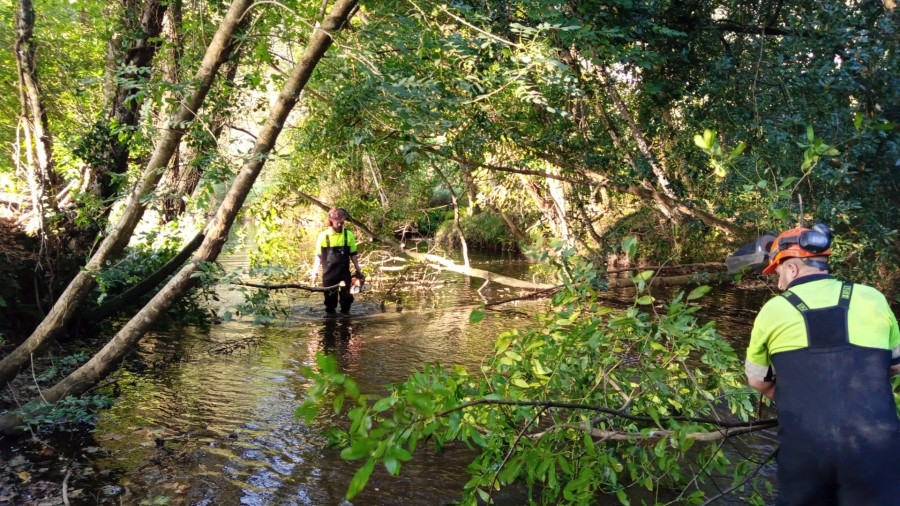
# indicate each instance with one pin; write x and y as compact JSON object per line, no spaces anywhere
{"x":895,"y":370}
{"x":767,"y":388}
{"x":358,"y":271}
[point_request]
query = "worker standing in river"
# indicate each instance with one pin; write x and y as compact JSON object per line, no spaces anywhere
{"x":335,"y":250}
{"x":823,"y":351}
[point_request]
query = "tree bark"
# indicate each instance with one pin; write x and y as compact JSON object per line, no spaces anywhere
{"x":125,"y":106}
{"x":42,"y":178}
{"x":217,"y":232}
{"x":462,"y":236}
{"x":116,"y":240}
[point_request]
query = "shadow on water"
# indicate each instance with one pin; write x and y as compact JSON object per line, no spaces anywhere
{"x":206,"y":416}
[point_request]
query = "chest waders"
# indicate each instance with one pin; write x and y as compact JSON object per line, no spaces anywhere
{"x":336,"y":268}
{"x":839,"y":435}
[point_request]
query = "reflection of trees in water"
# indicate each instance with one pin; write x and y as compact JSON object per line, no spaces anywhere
{"x":337,"y":337}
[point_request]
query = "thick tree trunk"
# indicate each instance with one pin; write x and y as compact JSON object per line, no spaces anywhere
{"x":216,"y":233}
{"x":125,"y":106}
{"x":42,"y":178}
{"x":118,"y":237}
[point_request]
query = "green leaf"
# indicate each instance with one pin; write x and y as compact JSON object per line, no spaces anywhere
{"x":620,"y":493}
{"x":736,"y":152}
{"x":476,"y":316}
{"x":359,"y":449}
{"x":809,"y":133}
{"x":392,"y":465}
{"x":857,"y":121}
{"x":360,"y":479}
{"x":644,"y":300}
{"x":700,"y":142}
{"x":698,"y":292}
{"x":519,"y":382}
{"x":629,"y":246}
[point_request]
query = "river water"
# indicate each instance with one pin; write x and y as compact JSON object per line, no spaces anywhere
{"x":206,"y":415}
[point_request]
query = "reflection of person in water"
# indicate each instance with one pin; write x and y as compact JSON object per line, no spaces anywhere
{"x":337,"y":338}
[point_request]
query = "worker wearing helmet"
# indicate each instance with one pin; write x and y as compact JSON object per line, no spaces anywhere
{"x":823,"y":351}
{"x":335,"y":250}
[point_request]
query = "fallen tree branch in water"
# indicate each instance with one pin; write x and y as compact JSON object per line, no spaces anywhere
{"x":661,"y":267}
{"x":291,"y":285}
{"x":659,"y":281}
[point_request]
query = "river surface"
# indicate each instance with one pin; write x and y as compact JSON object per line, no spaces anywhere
{"x":205,"y":416}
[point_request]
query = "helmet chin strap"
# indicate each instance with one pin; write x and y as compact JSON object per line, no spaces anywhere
{"x":818,"y":264}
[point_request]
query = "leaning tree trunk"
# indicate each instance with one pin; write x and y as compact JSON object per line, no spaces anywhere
{"x":43,"y":180}
{"x":118,"y":237}
{"x":642,"y":144}
{"x":107,"y":358}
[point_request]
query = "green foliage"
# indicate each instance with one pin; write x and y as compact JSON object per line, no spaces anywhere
{"x":65,"y":413}
{"x":482,"y":231}
{"x":587,"y":402}
{"x":145,"y":257}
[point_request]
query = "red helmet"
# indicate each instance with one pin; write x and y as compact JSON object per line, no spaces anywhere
{"x":799,"y":243}
{"x":337,"y":215}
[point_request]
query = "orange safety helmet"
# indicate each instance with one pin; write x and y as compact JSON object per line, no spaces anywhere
{"x":799,"y":242}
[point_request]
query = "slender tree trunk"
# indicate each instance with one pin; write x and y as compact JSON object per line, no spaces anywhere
{"x":107,"y":358}
{"x":510,"y":224}
{"x":547,"y":205}
{"x":42,"y":177}
{"x":462,"y":236}
{"x":145,"y":285}
{"x":118,"y":237}
{"x":661,"y":177}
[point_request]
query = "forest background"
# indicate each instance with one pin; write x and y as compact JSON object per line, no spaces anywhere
{"x":136,"y":133}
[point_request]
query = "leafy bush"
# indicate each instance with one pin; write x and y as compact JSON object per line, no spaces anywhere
{"x":483,"y":231}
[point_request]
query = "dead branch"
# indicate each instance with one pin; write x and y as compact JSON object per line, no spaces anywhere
{"x":298,"y":286}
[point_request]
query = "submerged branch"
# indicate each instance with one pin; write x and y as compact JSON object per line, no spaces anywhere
{"x":291,"y":285}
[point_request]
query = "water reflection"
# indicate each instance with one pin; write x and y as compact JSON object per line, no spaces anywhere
{"x":336,"y":337}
